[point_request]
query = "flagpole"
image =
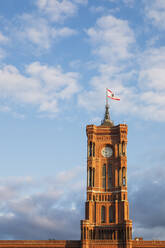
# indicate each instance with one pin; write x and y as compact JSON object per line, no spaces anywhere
{"x":106,"y":116}
{"x":106,"y":98}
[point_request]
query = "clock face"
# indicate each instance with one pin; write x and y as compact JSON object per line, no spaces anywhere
{"x":107,"y":152}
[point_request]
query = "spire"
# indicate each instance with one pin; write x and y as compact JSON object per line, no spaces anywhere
{"x":106,"y":121}
{"x":106,"y":116}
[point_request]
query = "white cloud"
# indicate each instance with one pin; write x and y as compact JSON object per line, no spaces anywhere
{"x":84,"y":2}
{"x":153,"y":78}
{"x":145,"y":99}
{"x":3,"y":39}
{"x":75,"y":64}
{"x":40,"y":86}
{"x":45,"y":213}
{"x":147,"y":224}
{"x":63,"y":32}
{"x":113,"y":38}
{"x":112,"y":41}
{"x":2,"y":53}
{"x":152,"y":73}
{"x":57,"y":10}
{"x":129,"y":2}
{"x":137,"y":78}
{"x":98,"y":9}
{"x":152,"y":83}
{"x":38,"y":31}
{"x":4,"y":108}
{"x":155,"y":11}
{"x":95,"y":98}
{"x":64,"y":84}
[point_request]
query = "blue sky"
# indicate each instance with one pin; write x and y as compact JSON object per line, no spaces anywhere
{"x":56,"y":59}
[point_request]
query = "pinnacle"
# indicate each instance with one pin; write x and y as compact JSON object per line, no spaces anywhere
{"x":107,"y":121}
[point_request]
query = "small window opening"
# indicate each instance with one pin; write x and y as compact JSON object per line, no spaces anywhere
{"x":103,"y":214}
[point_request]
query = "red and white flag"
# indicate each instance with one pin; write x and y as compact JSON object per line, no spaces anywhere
{"x":111,"y":95}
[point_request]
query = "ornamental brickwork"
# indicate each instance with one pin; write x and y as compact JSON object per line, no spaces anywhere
{"x":106,"y":208}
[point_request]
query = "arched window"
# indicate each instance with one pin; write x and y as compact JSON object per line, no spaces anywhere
{"x":94,"y":234}
{"x":123,"y":176}
{"x":104,"y":176}
{"x":111,"y":234}
{"x":99,"y":234}
{"x":119,"y":150}
{"x":90,"y":149}
{"x":123,"y":181}
{"x":109,"y":176}
{"x":103,"y":214}
{"x":93,"y":177}
{"x":110,"y":214}
{"x":128,"y":235}
{"x":93,"y":149}
{"x":90,"y":177}
{"x":102,"y":234}
{"x":90,"y":234}
{"x":84,"y":233}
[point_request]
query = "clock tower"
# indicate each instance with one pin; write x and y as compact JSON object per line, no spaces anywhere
{"x":107,"y":220}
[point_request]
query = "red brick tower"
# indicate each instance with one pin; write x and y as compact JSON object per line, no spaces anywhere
{"x":107,"y":220}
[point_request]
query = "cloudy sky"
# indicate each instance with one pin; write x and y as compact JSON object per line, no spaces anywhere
{"x":56,"y":59}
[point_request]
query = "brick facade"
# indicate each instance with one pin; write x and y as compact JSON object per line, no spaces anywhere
{"x":107,"y":208}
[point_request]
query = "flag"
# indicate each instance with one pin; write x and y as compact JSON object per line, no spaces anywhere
{"x":111,"y":95}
